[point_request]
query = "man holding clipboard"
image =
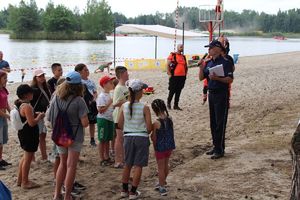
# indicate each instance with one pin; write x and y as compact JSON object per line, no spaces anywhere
{"x":219,"y":73}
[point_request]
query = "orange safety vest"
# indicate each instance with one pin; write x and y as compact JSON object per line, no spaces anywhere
{"x":181,"y":67}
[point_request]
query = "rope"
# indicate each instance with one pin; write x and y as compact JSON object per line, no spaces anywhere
{"x":176,"y":24}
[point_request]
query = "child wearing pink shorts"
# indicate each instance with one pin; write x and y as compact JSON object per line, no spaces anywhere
{"x":163,"y":142}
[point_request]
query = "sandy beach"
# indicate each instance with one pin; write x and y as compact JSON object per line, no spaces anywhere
{"x":257,"y":164}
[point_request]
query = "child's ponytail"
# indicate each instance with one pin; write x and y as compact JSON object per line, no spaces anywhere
{"x":132,"y":99}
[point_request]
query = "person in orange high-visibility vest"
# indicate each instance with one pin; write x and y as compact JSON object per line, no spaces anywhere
{"x":177,"y":71}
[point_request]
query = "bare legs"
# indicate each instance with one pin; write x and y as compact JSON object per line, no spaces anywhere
{"x":66,"y":173}
{"x":42,"y":145}
{"x":163,"y":170}
{"x":119,"y":150}
{"x":136,"y":175}
{"x":103,"y":150}
{"x":24,"y":167}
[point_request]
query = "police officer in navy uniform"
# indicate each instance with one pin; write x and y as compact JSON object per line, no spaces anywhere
{"x":218,"y":96}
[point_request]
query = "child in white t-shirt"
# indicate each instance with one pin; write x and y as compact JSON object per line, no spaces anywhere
{"x":105,"y":121}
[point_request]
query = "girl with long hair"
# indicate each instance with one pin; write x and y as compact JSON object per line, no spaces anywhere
{"x":68,"y":98}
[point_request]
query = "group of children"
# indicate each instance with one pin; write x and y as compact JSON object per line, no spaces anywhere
{"x":126,"y":115}
{"x":122,"y":121}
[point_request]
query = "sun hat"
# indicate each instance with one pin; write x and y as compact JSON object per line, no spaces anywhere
{"x":73,"y":78}
{"x":38,"y":72}
{"x":105,"y":79}
{"x":136,"y":85}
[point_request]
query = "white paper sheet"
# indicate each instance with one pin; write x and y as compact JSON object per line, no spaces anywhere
{"x":218,"y":70}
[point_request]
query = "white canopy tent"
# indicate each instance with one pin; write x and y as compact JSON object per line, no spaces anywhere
{"x":157,"y":30}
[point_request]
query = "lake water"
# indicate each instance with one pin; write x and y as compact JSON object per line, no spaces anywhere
{"x":32,"y":54}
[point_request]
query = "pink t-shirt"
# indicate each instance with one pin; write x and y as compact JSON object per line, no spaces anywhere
{"x":3,"y":98}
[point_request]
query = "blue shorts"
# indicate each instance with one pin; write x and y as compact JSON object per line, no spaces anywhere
{"x":3,"y":131}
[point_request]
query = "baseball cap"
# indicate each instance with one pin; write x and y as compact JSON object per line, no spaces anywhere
{"x":38,"y":72}
{"x":73,"y":78}
{"x":105,"y":79}
{"x":23,"y":89}
{"x":215,"y":43}
{"x":136,"y":85}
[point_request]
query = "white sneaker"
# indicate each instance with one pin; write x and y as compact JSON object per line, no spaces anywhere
{"x":124,"y":194}
{"x":134,"y":196}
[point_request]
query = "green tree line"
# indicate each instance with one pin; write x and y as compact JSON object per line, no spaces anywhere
{"x":97,"y":20}
{"x":58,"y":22}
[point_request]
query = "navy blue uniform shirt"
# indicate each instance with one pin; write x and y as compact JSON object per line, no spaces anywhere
{"x":227,"y":66}
{"x":4,"y":64}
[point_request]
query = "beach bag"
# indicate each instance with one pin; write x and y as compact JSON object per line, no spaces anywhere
{"x":15,"y":119}
{"x":4,"y":192}
{"x":62,"y":134}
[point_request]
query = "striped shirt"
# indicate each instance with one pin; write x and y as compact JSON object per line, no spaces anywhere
{"x":135,"y":125}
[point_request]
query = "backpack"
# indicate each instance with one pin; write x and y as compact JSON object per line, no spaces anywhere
{"x":62,"y":134}
{"x":15,"y":119}
{"x":173,"y":63}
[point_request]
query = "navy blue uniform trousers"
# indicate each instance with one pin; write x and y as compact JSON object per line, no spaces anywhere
{"x":218,"y":110}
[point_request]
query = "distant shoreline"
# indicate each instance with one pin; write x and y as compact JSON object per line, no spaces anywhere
{"x":83,"y":36}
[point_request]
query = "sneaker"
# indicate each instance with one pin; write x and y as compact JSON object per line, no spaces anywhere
{"x":163,"y":191}
{"x":4,"y":163}
{"x":2,"y":168}
{"x":93,"y":143}
{"x":156,"y":187}
{"x":74,"y":193}
{"x":78,"y":186}
{"x":124,"y":194}
{"x":135,"y":195}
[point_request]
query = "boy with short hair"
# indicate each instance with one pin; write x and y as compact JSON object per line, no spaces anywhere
{"x":120,"y":96}
{"x":57,"y":73}
{"x":105,"y":122}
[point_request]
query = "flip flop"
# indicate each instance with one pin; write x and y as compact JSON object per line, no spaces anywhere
{"x":30,"y":185}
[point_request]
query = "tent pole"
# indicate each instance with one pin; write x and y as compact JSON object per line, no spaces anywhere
{"x":183,"y":36}
{"x":115,"y":44}
{"x":155,"y":47}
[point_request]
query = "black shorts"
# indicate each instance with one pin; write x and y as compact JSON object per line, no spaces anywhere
{"x":92,"y":118}
{"x":29,"y":138}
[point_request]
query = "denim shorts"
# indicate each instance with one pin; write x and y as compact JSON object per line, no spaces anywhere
{"x":3,"y":131}
{"x":76,"y":146}
{"x":42,"y":127}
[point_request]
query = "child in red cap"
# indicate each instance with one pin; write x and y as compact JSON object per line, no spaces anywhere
{"x":105,"y":119}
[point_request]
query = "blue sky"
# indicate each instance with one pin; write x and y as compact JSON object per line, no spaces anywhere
{"x":132,"y":8}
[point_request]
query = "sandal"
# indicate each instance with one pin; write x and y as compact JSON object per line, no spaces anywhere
{"x":119,"y":166}
{"x":30,"y":185}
